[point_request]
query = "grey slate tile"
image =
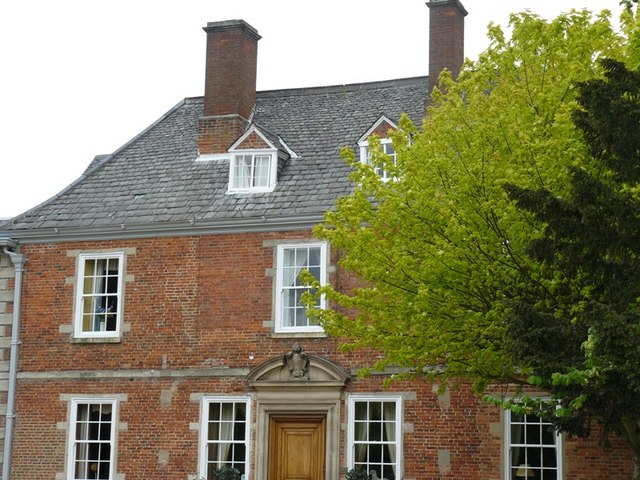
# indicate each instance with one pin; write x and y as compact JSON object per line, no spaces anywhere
{"x":155,"y":178}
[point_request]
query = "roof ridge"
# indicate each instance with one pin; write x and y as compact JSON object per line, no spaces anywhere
{"x":344,"y":88}
{"x":321,"y":90}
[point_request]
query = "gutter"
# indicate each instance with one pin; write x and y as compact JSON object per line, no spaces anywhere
{"x":18,"y":263}
{"x":118,"y":231}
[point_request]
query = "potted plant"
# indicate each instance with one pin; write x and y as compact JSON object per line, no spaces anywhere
{"x":357,"y":474}
{"x":227,"y":472}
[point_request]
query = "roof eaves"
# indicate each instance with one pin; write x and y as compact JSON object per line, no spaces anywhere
{"x":263,"y":223}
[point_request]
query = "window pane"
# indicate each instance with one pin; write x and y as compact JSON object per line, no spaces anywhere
{"x":301,"y":317}
{"x":375,"y":452}
{"x":214,"y":411}
{"x":241,"y":412}
{"x":289,"y":277}
{"x":389,"y":431}
{"x":315,"y":271}
{"x":289,"y":257}
{"x":314,"y":256}
{"x":227,"y":411}
{"x":388,"y":472}
{"x":361,"y":410}
{"x":89,"y":284}
{"x":213,"y":431}
{"x":389,"y":411}
{"x":375,"y":432}
{"x":262,"y":171}
{"x":288,"y":317}
{"x":375,"y":411}
{"x":367,"y":155}
{"x":211,"y":469}
{"x":532,"y":434}
{"x":548,"y":435}
{"x":389,"y":453}
{"x":549,"y":457}
{"x":242,"y":171}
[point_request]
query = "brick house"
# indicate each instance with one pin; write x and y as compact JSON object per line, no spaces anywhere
{"x":155,"y":310}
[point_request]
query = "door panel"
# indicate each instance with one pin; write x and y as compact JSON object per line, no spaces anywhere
{"x":297,"y":447}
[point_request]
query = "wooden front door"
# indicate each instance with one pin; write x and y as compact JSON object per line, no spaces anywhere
{"x":297,"y":447}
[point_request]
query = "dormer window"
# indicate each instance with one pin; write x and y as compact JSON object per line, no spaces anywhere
{"x":381,"y":129}
{"x":252,"y":172}
{"x":387,"y":149}
{"x":253,"y":162}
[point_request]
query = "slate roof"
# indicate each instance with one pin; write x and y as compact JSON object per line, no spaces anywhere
{"x":155,"y":179}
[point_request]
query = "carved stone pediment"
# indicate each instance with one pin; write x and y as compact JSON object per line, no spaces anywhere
{"x":297,"y":368}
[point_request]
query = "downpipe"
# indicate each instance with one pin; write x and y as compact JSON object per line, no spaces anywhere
{"x":18,"y":264}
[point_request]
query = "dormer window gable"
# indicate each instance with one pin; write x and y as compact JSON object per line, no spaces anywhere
{"x":253,"y":163}
{"x":381,"y":129}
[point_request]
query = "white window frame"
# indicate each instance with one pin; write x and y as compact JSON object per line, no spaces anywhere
{"x":204,"y":417}
{"x":273,"y":170}
{"x":280,"y":287}
{"x":73,"y":441}
{"x":351,"y":442}
{"x":80,"y":296}
{"x":365,"y":157}
{"x":507,"y":467}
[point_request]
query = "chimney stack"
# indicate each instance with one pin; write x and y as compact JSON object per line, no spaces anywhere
{"x":230,"y":84}
{"x":446,"y":38}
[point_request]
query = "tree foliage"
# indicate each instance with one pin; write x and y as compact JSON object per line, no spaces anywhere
{"x":590,"y":246}
{"x":462,"y":274}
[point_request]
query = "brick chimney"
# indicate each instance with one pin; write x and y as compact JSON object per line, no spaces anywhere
{"x":446,"y":38}
{"x":230,"y":84}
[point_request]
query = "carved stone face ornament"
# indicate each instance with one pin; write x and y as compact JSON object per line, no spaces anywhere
{"x":298,"y":362}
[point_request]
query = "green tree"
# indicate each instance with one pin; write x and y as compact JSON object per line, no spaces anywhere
{"x":590,"y":249}
{"x":443,"y":253}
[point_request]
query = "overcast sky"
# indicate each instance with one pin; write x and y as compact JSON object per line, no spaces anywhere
{"x":81,"y":78}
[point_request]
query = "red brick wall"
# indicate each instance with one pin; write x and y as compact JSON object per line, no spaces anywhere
{"x":201,"y":302}
{"x":217,"y":134}
{"x":254,"y":140}
{"x":382,"y":130}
